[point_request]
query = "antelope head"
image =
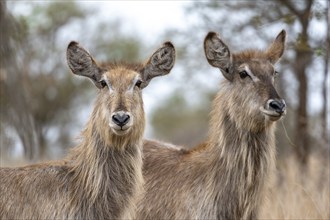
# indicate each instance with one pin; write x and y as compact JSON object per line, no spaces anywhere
{"x":250,"y":77}
{"x":120,"y":85}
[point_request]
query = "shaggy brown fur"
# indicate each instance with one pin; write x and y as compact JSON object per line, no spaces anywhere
{"x":224,"y":177}
{"x":101,"y":178}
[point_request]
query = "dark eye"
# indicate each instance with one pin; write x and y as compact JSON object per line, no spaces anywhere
{"x":276,"y":73}
{"x":103,"y":83}
{"x":243,"y":74}
{"x":138,"y":83}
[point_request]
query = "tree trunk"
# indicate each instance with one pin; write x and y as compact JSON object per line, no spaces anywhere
{"x":302,"y":144}
{"x":302,"y":61}
{"x":324,"y":118}
{"x":16,"y":112}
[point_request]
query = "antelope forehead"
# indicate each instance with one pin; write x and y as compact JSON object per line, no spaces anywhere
{"x":122,"y":78}
{"x":121,"y":73}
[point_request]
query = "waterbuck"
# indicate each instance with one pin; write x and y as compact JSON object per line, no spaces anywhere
{"x":224,"y":177}
{"x":101,"y":178}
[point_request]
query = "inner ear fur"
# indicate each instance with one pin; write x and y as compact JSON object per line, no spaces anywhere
{"x":218,"y":54}
{"x":82,"y":63}
{"x":160,"y":63}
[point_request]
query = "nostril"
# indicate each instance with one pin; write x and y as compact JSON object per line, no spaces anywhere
{"x":116,"y":119}
{"x":120,"y":119}
{"x":274,"y":105}
{"x":125,"y":119}
{"x":278,"y":106}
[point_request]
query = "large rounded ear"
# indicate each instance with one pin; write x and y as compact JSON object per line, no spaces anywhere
{"x":276,"y":49}
{"x":160,"y":63}
{"x":218,"y":54}
{"x":82,"y":63}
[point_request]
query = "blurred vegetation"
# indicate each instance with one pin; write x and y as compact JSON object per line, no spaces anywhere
{"x":254,"y":24}
{"x":181,"y":122}
{"x":42,"y":106}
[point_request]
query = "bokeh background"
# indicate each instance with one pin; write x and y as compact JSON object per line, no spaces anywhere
{"x":43,"y":107}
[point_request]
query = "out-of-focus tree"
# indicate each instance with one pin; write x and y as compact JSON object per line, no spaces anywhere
{"x":258,"y":22}
{"x":41,"y":101}
{"x":39,"y":76}
{"x":14,"y":108}
{"x":303,"y":58}
{"x":324,"y":118}
{"x":181,"y":122}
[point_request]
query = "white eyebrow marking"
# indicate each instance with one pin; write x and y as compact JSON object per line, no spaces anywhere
{"x":105,"y":78}
{"x":131,"y":87}
{"x":274,"y":70}
{"x":253,"y":77}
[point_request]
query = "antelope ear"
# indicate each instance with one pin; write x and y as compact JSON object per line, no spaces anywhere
{"x":82,"y":63}
{"x":276,"y":49}
{"x":218,"y":54}
{"x":160,"y":63}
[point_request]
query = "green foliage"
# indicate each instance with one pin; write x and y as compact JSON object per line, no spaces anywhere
{"x":180,"y":122}
{"x":289,"y":19}
{"x":48,"y":18}
{"x":113,"y":44}
{"x":319,"y":52}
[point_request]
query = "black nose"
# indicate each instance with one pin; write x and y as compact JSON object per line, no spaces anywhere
{"x":120,"y":119}
{"x":277,"y":105}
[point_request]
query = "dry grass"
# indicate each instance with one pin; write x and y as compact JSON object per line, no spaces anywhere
{"x":299,"y":195}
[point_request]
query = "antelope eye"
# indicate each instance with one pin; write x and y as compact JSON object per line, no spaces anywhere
{"x":276,"y":73}
{"x":243,"y":74}
{"x":103,"y":83}
{"x":138,"y":83}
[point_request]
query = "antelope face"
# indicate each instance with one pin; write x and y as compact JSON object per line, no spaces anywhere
{"x":251,"y":77}
{"x":120,"y":99}
{"x":256,"y":79}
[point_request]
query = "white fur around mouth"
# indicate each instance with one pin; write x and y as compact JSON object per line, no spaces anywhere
{"x":120,"y":131}
{"x":273,"y":115}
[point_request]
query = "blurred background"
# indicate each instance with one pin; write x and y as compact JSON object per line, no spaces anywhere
{"x":43,"y":106}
